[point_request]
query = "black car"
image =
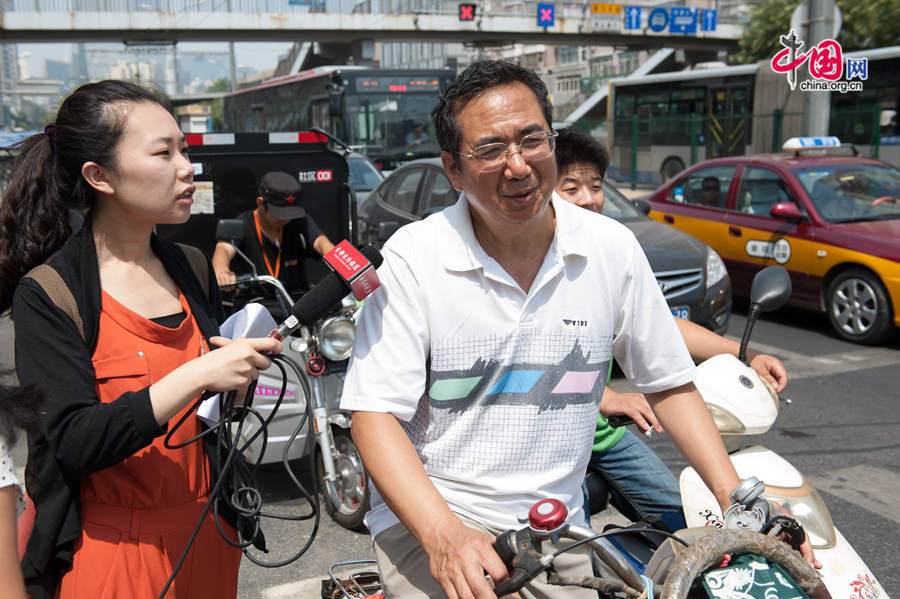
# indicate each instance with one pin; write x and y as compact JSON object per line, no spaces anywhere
{"x":691,"y":274}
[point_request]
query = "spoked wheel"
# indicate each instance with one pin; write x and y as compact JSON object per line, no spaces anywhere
{"x":859,"y":308}
{"x":670,"y":167}
{"x":708,"y":551}
{"x":347,"y":498}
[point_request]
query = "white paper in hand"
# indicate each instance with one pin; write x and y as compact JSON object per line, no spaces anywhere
{"x":253,"y":320}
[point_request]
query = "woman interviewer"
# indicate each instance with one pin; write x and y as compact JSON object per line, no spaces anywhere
{"x":115,"y":507}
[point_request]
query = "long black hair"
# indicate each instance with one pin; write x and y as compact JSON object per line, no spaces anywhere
{"x":46,"y":183}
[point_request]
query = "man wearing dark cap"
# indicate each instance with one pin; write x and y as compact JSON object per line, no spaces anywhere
{"x":278,"y":236}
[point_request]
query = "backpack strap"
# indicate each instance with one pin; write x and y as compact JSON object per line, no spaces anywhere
{"x":199,"y":265}
{"x":59,"y":293}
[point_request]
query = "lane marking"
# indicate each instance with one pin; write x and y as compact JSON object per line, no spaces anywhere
{"x":310,"y":587}
{"x":803,"y":366}
{"x":871,"y":488}
{"x":826,"y":360}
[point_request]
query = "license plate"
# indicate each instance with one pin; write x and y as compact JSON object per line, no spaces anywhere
{"x":681,"y":311}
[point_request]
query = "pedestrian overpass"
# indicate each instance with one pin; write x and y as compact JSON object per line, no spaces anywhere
{"x":136,"y":21}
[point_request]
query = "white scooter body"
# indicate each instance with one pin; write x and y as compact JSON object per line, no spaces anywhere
{"x":742,"y":403}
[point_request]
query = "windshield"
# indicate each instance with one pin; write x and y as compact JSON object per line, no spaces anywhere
{"x":391,"y":125}
{"x":363,"y":174}
{"x":844,"y":193}
{"x":617,"y":206}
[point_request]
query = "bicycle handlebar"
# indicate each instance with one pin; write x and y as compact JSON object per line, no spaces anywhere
{"x":520,"y":549}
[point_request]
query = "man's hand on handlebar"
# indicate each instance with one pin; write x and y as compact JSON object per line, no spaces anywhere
{"x":771,"y":369}
{"x":633,"y":405}
{"x":805,"y":549}
{"x":225,"y":277}
{"x":459,"y":558}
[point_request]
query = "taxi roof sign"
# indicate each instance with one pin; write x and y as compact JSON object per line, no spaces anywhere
{"x":798,"y":144}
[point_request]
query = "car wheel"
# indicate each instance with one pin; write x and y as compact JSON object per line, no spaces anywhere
{"x":347,"y":498}
{"x":859,"y":308}
{"x":670,"y":167}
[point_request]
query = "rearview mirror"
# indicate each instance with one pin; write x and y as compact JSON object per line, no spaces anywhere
{"x":387,"y":229}
{"x":787,"y":211}
{"x":770,"y":290}
{"x":230,"y":228}
{"x":642,"y":205}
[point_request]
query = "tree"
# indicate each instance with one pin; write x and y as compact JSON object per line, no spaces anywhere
{"x":222,"y":84}
{"x":869,"y":24}
{"x":769,"y":20}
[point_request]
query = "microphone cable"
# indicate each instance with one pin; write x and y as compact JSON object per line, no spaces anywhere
{"x":230,"y":465}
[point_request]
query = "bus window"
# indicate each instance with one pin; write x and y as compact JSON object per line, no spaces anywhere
{"x":319,"y":116}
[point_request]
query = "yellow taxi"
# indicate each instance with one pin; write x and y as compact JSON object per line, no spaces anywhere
{"x":833,"y":221}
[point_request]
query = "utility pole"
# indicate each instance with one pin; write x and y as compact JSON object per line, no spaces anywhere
{"x":231,"y":61}
{"x":817,"y":104}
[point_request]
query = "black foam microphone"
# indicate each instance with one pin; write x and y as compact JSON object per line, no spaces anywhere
{"x":316,"y":302}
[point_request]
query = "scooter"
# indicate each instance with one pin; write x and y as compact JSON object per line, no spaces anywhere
{"x":743,"y":404}
{"x":531,"y":550}
{"x":322,"y":352}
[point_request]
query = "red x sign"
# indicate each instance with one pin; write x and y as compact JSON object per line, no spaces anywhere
{"x":546,"y":15}
{"x":466,"y":12}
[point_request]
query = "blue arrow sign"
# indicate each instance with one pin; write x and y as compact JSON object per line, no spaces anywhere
{"x":683,"y":20}
{"x":633,"y":17}
{"x":545,"y":15}
{"x":710,"y":20}
{"x":658,"y":19}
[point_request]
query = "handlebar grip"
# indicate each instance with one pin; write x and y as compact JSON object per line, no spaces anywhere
{"x":512,"y":584}
{"x":516,"y":549}
{"x":505,"y":546}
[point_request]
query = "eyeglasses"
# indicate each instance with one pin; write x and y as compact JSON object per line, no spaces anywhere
{"x":492,"y":157}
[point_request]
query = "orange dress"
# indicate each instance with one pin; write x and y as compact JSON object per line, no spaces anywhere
{"x":138,"y":514}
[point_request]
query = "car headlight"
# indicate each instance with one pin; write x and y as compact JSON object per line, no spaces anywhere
{"x":715,"y":268}
{"x":807,"y":507}
{"x":336,"y":337}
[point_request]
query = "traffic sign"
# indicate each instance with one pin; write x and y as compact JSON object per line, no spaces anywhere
{"x":467,"y":12}
{"x":606,"y":23}
{"x":633,"y":17}
{"x":545,"y":15}
{"x":710,"y":19}
{"x":606,"y":9}
{"x":682,"y":20}
{"x":658,"y":19}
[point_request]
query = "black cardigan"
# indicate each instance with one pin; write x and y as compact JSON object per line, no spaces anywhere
{"x":81,"y":435}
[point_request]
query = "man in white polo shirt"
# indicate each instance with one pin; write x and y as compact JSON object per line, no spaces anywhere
{"x":480,"y":362}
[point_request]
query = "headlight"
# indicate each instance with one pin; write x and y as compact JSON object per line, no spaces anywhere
{"x":715,"y":268}
{"x":336,"y":337}
{"x":726,"y":422}
{"x":805,"y":505}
